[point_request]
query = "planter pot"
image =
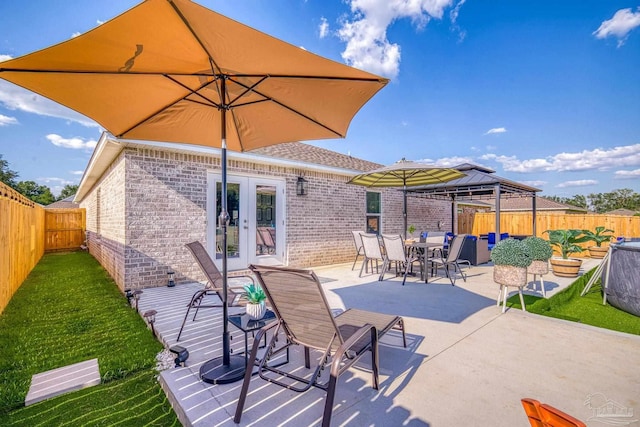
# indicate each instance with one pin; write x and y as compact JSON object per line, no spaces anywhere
{"x":509,"y":275}
{"x":538,"y":267}
{"x":598,"y":252}
{"x":256,"y":311}
{"x":565,"y":267}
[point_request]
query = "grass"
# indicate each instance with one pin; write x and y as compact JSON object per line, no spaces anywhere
{"x":569,"y":305}
{"x":69,"y":310}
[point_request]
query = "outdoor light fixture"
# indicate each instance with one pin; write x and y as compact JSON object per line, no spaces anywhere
{"x":136,"y":297}
{"x":129,"y":295}
{"x":150,"y":317}
{"x":171,"y":275}
{"x":181,"y":355}
{"x":301,"y":186}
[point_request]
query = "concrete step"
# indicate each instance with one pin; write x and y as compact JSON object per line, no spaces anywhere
{"x":63,"y":380}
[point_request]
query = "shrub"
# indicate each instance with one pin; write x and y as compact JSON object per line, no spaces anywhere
{"x":539,"y":249}
{"x":511,"y":252}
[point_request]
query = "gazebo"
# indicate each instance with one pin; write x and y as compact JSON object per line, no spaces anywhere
{"x":478,"y":183}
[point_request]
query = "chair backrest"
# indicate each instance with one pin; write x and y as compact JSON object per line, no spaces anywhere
{"x":456,"y":247}
{"x":267,"y":237}
{"x":553,"y":417}
{"x":357,"y":240}
{"x":435,"y":237}
{"x":371,"y":245}
{"x":532,"y":409}
{"x":207,"y":266}
{"x":298,"y":301}
{"x":491,"y":237}
{"x":394,"y":247}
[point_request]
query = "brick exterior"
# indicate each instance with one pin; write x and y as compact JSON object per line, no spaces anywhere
{"x":151,"y":202}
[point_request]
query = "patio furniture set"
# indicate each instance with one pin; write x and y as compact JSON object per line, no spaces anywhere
{"x":431,"y":252}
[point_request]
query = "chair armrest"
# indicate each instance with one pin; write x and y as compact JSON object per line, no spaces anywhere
{"x":345,"y":348}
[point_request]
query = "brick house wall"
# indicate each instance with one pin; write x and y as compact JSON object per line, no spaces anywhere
{"x":152,"y":201}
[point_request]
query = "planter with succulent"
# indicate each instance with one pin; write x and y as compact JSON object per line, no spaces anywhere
{"x":600,"y":236}
{"x":256,"y":306}
{"x":540,"y":251}
{"x":567,"y":242}
{"x":510,"y":258}
{"x":411,"y":229}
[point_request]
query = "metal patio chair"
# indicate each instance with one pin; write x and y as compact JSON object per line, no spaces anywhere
{"x":451,"y":260}
{"x":235,"y":295}
{"x":305,"y":318}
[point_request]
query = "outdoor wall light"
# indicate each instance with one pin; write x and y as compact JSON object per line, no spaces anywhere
{"x":172,"y":281}
{"x":301,"y":186}
{"x":136,"y":297}
{"x":129,"y":294}
{"x":181,"y":355}
{"x":150,"y":317}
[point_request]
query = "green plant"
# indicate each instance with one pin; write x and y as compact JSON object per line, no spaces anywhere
{"x":411,"y":229}
{"x":567,"y":241}
{"x":255,"y":294}
{"x":599,"y":236}
{"x":539,"y":249}
{"x":511,"y":252}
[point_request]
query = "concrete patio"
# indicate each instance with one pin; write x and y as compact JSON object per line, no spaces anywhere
{"x":466,"y":363}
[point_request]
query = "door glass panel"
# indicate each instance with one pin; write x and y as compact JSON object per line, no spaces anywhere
{"x":233,"y":229}
{"x":265,"y":220}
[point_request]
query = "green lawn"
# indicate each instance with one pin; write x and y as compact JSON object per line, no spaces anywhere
{"x":569,"y":305}
{"x":69,"y":310}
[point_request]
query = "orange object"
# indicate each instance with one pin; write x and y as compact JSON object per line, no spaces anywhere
{"x":543,"y":415}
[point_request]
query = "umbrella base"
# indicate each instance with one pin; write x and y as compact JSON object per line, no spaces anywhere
{"x":215,"y":372}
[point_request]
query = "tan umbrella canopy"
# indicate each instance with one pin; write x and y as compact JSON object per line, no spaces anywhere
{"x":171,"y":70}
{"x":405,"y":173}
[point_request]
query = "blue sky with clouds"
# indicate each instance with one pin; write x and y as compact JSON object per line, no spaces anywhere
{"x":546,"y":92}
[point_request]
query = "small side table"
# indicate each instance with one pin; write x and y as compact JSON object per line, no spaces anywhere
{"x":247,"y":325}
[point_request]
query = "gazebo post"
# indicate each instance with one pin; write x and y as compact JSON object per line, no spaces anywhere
{"x":453,"y":214}
{"x":533,"y":208}
{"x":496,"y":193}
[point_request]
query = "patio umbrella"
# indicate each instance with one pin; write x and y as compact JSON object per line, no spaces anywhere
{"x":175,"y":71}
{"x":405,"y":173}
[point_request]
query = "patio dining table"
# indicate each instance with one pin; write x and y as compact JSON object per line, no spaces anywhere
{"x":422,"y":249}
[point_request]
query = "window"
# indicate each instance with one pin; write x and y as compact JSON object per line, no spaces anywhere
{"x":373,"y":213}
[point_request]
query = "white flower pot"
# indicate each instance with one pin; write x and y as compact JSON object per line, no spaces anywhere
{"x":256,"y":311}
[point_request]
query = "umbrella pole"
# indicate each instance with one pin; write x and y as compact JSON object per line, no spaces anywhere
{"x":226,"y":368}
{"x":404,"y":210}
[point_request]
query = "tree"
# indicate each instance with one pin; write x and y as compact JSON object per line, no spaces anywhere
{"x":38,"y":193}
{"x":68,"y":190}
{"x":618,"y":199}
{"x":7,"y":175}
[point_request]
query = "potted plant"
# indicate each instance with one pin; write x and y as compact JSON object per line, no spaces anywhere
{"x":510,"y":258}
{"x":411,"y":229}
{"x":256,"y":306}
{"x":600,"y":236}
{"x":567,"y":242}
{"x":540,"y":251}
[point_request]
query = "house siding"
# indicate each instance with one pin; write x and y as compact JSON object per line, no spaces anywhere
{"x":157,"y":202}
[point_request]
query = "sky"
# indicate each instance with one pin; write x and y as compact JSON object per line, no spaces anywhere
{"x":546,"y":93}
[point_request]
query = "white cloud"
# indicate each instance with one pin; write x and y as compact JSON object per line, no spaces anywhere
{"x":13,"y":97}
{"x":619,"y":26}
{"x":5,"y":57}
{"x":365,"y":32}
{"x":453,"y":16}
{"x":495,"y":130}
{"x":491,"y":148}
{"x":598,"y":159}
{"x":6,"y":121}
{"x":323,"y":28}
{"x":579,"y":183}
{"x":634,"y":174}
{"x":448,"y":161}
{"x":76,"y":172}
{"x":76,"y":34}
{"x":76,"y":143}
{"x":534,"y":183}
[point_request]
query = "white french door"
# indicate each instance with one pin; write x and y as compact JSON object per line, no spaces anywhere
{"x":255,"y":234}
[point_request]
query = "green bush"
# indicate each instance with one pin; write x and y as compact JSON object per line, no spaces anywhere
{"x":511,"y":252}
{"x":539,"y":249}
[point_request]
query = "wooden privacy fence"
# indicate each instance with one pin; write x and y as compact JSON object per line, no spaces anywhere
{"x":21,"y":240}
{"x":521,"y":223}
{"x":64,"y":229}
